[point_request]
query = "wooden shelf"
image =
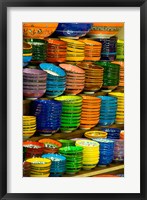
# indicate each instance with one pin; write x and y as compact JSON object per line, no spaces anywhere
{"x":75,"y":134}
{"x":114,"y":168}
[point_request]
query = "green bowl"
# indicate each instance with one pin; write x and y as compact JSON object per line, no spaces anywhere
{"x":66,"y":143}
{"x":70,"y":115}
{"x":71,"y":149}
{"x":69,"y":98}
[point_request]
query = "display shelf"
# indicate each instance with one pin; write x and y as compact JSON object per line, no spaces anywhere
{"x":114,"y":168}
{"x":75,"y":134}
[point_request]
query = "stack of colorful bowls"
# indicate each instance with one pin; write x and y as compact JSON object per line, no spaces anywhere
{"x":48,"y":115}
{"x":40,"y":167}
{"x":90,"y":153}
{"x":104,"y":29}
{"x":120,"y":50}
{"x":110,"y":76}
{"x":74,"y":158}
{"x":118,"y":150}
{"x":34,"y":83}
{"x":58,"y":166}
{"x":90,"y":112}
{"x":56,"y":51}
{"x":108,"y":110}
{"x":75,"y":79}
{"x":108,"y":52}
{"x":95,"y":134}
{"x":75,"y":50}
{"x":33,"y":149}
{"x":29,"y":126}
{"x":66,"y":143}
{"x":71,"y":112}
{"x":93,"y":77}
{"x":39,"y":48}
{"x":27,"y":53}
{"x":73,"y":30}
{"x":120,"y":106}
{"x":50,"y":145}
{"x":113,"y":133}
{"x":121,"y":73}
{"x":38,"y":30}
{"x":106,"y":151}
{"x":26,"y":169}
{"x":122,"y":133}
{"x":56,"y":79}
{"x":92,"y":50}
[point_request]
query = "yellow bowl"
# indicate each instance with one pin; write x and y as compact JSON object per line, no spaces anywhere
{"x":96,"y":134}
{"x":27,"y":54}
{"x":43,"y":175}
{"x":29,"y":132}
{"x":117,"y":94}
{"x":39,"y":162}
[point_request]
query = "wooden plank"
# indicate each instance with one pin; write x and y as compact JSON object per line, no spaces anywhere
{"x":98,"y":171}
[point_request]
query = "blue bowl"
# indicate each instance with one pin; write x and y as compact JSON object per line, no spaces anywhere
{"x":27,"y":59}
{"x":58,"y":165}
{"x":106,"y":122}
{"x":53,"y":68}
{"x":73,"y":29}
{"x":108,"y":99}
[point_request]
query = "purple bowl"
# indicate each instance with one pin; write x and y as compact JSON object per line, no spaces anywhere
{"x":34,"y":88}
{"x":33,"y":94}
{"x":34,"y":72}
{"x":34,"y":84}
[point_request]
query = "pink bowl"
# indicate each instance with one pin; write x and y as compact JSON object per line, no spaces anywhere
{"x":72,"y":68}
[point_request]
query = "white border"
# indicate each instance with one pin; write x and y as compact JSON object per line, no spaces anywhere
{"x":17,"y":184}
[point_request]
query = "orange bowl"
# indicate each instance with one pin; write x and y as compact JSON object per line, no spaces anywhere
{"x":38,"y":30}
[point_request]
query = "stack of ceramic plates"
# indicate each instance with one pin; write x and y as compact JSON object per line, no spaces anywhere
{"x":104,"y":29}
{"x":108,"y":52}
{"x":58,"y":166}
{"x":71,"y":112}
{"x":40,"y":167}
{"x":75,"y":79}
{"x":56,"y":79}
{"x":34,"y":83}
{"x":106,"y":151}
{"x":33,"y":149}
{"x":120,"y":107}
{"x":92,"y":50}
{"x":56,"y":51}
{"x":73,"y":30}
{"x":39,"y":48}
{"x":118,"y":150}
{"x":26,"y":169}
{"x":113,"y":133}
{"x":66,"y":143}
{"x":38,"y":30}
{"x":121,"y":73}
{"x":48,"y":115}
{"x":110,"y":76}
{"x":120,"y":50}
{"x":29,"y":126}
{"x":75,"y":50}
{"x":122,"y":133}
{"x":93,"y":77}
{"x":50,"y":145}
{"x":90,"y":112}
{"x":90,"y":153}
{"x":27,"y":53}
{"x":74,"y":158}
{"x":95,"y":134}
{"x":108,"y":110}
